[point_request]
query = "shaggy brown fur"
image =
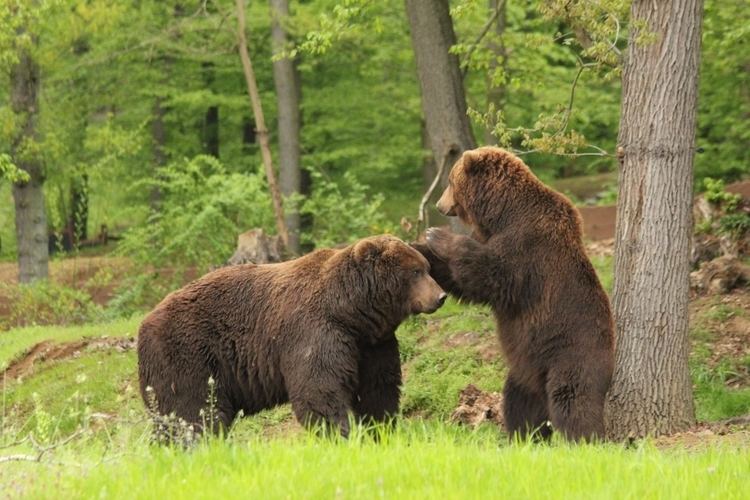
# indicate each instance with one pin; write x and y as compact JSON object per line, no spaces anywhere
{"x":317,"y":331}
{"x":526,"y":259}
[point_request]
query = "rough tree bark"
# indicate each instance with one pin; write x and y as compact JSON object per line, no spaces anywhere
{"x":287,"y":82}
{"x":443,"y":98}
{"x":651,"y":391}
{"x":28,"y":197}
{"x":260,"y":124}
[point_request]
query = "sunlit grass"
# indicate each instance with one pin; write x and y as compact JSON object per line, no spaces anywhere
{"x":418,"y":460}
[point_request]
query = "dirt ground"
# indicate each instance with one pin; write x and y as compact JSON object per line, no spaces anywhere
{"x":599,"y":222}
{"x":47,"y":350}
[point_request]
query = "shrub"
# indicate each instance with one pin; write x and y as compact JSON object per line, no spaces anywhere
{"x":342,"y":212}
{"x":46,"y":303}
{"x":203,"y":209}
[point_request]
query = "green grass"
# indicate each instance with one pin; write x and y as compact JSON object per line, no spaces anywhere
{"x":426,"y":456}
{"x":604,"y":264}
{"x":64,"y":394}
{"x":714,"y":398}
{"x":442,"y":354}
{"x":418,"y":460}
{"x":15,"y":342}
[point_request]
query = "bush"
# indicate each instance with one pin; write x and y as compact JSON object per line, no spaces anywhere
{"x":46,"y":303}
{"x":342,"y":212}
{"x":203,"y":209}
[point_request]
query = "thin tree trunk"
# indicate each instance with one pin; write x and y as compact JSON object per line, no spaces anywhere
{"x":211,"y":119}
{"x":443,"y":98}
{"x":651,"y":392}
{"x":158,"y":142}
{"x":287,"y":82}
{"x":78,"y":218}
{"x":28,"y":197}
{"x":248,"y":134}
{"x":496,"y":92}
{"x":260,"y":124}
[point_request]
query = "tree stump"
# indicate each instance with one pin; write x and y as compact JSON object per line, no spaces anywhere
{"x":256,"y":247}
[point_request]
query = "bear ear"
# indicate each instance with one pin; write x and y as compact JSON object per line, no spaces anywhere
{"x":471,"y":160}
{"x":365,"y":250}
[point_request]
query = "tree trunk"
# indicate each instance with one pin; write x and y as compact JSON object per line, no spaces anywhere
{"x":158,"y":141}
{"x":211,"y":119}
{"x":260,"y":124}
{"x":496,"y":93}
{"x":286,"y":80}
{"x":651,"y":392}
{"x":28,"y":197}
{"x":443,"y":99}
{"x":78,"y":218}
{"x":248,"y":134}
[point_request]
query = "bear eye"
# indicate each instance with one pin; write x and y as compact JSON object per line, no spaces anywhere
{"x":416,"y":272}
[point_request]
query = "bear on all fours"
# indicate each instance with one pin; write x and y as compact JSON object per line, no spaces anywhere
{"x":525,"y":258}
{"x":317,"y":331}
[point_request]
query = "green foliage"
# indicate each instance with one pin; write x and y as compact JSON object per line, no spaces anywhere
{"x":732,"y":222}
{"x":342,"y":212}
{"x":44,"y":303}
{"x":555,"y":100}
{"x":598,"y":27}
{"x":724,"y":103}
{"x":202,"y":210}
{"x":9,"y":171}
{"x":735,"y":224}
{"x":716,"y":194}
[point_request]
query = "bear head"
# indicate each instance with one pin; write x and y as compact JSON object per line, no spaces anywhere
{"x":396,"y":277}
{"x":490,"y":189}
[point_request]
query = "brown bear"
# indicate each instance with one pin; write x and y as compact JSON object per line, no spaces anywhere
{"x":525,"y":258}
{"x":317,"y":331}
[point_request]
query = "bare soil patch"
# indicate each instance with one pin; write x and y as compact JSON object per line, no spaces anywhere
{"x":598,"y":222}
{"x":727,"y":318}
{"x":731,"y":432}
{"x":48,"y":350}
{"x":476,"y":406}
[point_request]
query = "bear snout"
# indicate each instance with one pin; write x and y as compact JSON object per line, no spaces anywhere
{"x":428,"y":297}
{"x":446,"y":205}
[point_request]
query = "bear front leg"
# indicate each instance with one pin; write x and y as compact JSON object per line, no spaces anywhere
{"x":476,"y":273}
{"x":439,"y":269}
{"x":321,"y":381}
{"x":524,"y":411}
{"x":377,"y":396}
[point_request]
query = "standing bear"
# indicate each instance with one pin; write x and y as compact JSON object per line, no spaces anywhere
{"x":525,"y":258}
{"x":318,"y":331}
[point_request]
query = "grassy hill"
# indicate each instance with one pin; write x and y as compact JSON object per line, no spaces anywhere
{"x":76,"y":395}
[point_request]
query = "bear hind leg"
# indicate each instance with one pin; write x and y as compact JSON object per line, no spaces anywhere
{"x":524,"y":411}
{"x":576,"y":404}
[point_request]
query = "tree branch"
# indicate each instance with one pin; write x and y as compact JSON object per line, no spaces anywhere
{"x":422,"y":216}
{"x":40,"y":450}
{"x":260,"y":124}
{"x":482,"y":34}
